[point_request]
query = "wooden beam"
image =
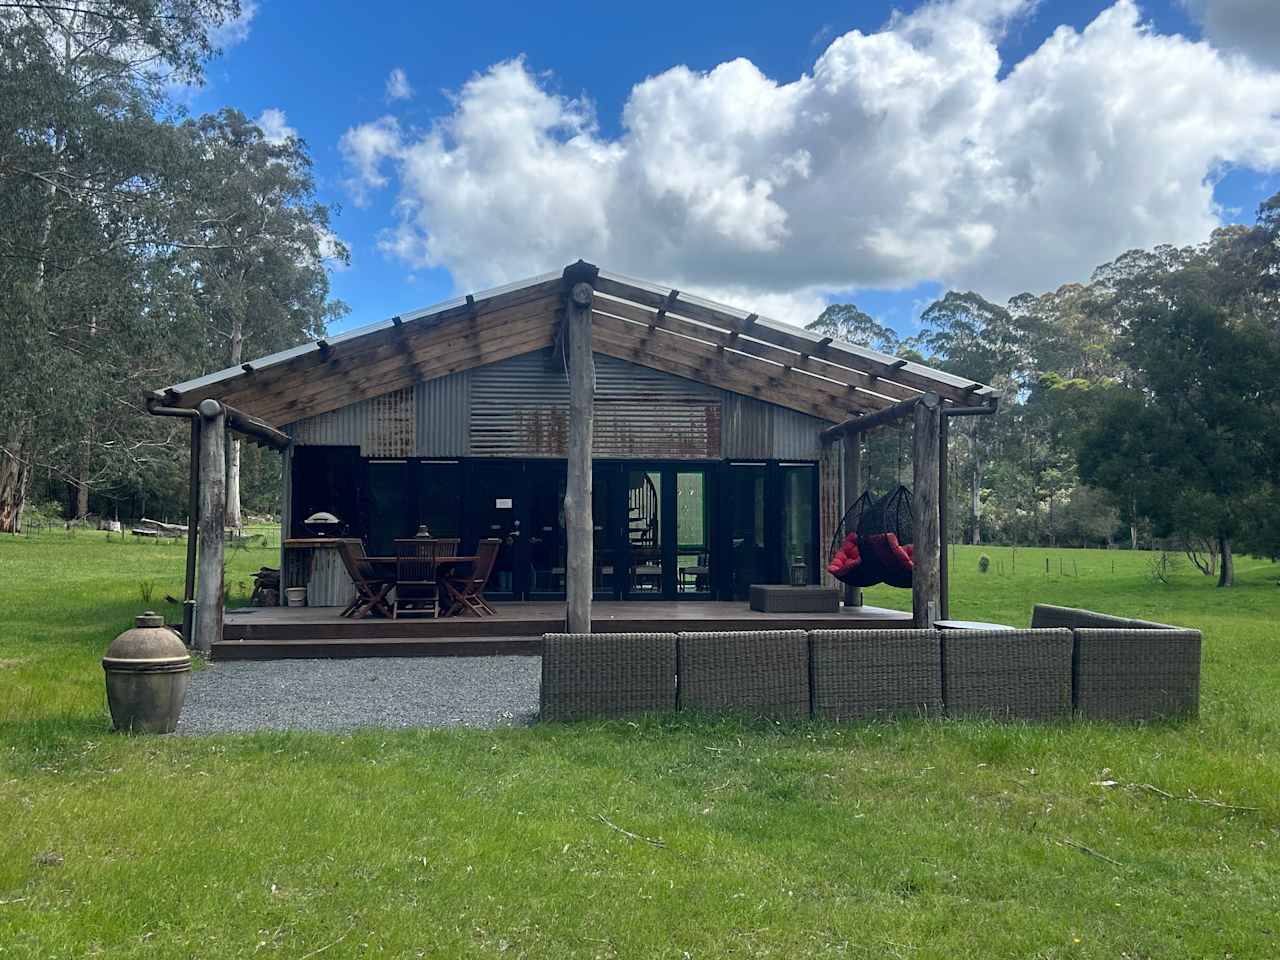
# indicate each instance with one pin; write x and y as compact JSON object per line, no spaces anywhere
{"x":347,"y":380}
{"x":579,"y":529}
{"x":872,"y":393}
{"x":852,"y":490}
{"x":725,"y":372}
{"x":308,"y":360}
{"x":926,"y":588}
{"x":365,"y":359}
{"x":868,"y":422}
{"x":738,"y":373}
{"x":213,"y":518}
{"x":905,"y":373}
{"x":255,"y":428}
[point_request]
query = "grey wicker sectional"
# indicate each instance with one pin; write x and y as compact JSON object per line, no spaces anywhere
{"x":607,"y":674}
{"x":763,"y":672}
{"x":1022,"y":674}
{"x":1070,"y":662}
{"x":870,"y":673}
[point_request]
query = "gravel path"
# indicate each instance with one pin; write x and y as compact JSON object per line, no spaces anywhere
{"x":238,"y":697}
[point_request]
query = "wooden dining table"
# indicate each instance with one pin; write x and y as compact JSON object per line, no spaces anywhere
{"x":386,"y":566}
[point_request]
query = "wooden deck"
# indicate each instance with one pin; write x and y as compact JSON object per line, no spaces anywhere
{"x":273,"y":633}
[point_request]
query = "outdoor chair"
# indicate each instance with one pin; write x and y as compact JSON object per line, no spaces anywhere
{"x":607,"y":674}
{"x":876,"y":673}
{"x":371,"y":586}
{"x":466,"y":591}
{"x":758,"y":672}
{"x":417,"y":589}
{"x":1007,"y":674}
{"x":1127,"y":669}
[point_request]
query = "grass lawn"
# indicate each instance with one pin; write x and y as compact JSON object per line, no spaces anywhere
{"x":915,"y":839}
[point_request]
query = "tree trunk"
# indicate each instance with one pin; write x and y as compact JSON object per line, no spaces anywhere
{"x":82,"y":499}
{"x":579,"y":527}
{"x":975,"y":491}
{"x":234,"y":519}
{"x":15,"y":478}
{"x":926,"y":584}
{"x":1227,"y":568}
{"x":1133,"y":536}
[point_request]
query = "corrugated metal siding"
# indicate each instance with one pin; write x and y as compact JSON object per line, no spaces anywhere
{"x":381,"y":426}
{"x":442,"y":413}
{"x":756,"y":430}
{"x":520,"y":407}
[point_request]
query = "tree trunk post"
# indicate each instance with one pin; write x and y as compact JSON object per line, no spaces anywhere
{"x":579,"y":529}
{"x":944,"y":503}
{"x":1227,"y":569}
{"x":213,"y":506}
{"x":852,"y":490}
{"x":926,"y":589}
{"x":193,"y":520}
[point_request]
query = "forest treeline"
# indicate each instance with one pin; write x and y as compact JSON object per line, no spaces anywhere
{"x":139,"y":245}
{"x":1140,"y":405}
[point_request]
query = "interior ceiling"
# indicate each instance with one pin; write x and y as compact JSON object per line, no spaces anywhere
{"x":651,"y":326}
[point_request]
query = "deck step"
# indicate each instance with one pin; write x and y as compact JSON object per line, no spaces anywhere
{"x":350,"y":648}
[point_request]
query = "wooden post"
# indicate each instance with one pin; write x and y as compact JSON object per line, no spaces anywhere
{"x":944,"y":571}
{"x":213,"y":506}
{"x":852,"y":490}
{"x":579,"y":568}
{"x":193,"y":521}
{"x":926,"y":591}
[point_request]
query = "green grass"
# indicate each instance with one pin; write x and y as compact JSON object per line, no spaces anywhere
{"x":917,"y":839}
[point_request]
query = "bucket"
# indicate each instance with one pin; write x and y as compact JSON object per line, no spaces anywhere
{"x":297,"y":596}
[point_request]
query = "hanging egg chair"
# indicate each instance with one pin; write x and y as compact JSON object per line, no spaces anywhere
{"x":850,"y":563}
{"x":886,"y":532}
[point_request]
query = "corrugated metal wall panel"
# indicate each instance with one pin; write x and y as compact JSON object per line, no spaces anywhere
{"x":756,"y":430}
{"x":520,"y":407}
{"x":381,"y":426}
{"x":442,"y":413}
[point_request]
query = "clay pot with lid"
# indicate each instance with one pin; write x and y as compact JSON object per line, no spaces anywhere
{"x":147,"y":671}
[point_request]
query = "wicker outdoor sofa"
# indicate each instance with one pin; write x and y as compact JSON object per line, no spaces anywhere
{"x":1069,"y":662}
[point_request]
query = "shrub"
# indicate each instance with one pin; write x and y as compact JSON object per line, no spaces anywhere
{"x":984,"y":563}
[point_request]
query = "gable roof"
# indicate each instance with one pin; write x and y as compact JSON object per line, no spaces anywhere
{"x":643,"y":323}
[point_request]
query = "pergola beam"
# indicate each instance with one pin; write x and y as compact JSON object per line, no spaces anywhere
{"x":870,"y":421}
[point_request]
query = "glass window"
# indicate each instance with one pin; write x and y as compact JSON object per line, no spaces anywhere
{"x":746,"y":515}
{"x":644,"y":530}
{"x":798,"y":507}
{"x":693,"y":556}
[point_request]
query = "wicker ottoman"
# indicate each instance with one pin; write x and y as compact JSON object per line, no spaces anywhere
{"x":782,"y":598}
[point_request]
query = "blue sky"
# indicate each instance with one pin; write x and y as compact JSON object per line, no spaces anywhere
{"x":326,"y":68}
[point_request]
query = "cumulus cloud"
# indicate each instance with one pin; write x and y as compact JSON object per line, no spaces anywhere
{"x":1251,"y":27}
{"x":398,"y":86}
{"x":274,"y":125}
{"x":365,"y":149}
{"x":903,"y":155}
{"x":235,"y":30}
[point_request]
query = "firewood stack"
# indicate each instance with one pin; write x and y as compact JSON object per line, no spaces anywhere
{"x":266,"y":588}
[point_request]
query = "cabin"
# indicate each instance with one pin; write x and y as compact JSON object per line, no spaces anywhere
{"x":626,"y":442}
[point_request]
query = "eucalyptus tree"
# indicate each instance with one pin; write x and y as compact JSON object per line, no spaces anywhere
{"x":256,"y":248}
{"x":84,"y":158}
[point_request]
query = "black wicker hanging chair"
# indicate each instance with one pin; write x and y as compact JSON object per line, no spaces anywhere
{"x":851,"y":564}
{"x":886,"y":533}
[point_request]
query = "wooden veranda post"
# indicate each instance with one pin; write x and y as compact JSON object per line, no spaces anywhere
{"x":213,"y":505}
{"x":577,"y":497}
{"x":852,"y":490}
{"x":926,"y":586}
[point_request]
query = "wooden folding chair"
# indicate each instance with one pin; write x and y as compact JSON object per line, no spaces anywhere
{"x":371,"y":587}
{"x":417,"y":589}
{"x":467,"y":591}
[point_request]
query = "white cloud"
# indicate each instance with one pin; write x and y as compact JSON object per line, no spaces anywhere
{"x":902,"y":156}
{"x":1251,"y":27}
{"x":236,"y":30}
{"x":398,"y":86}
{"x":274,"y":125}
{"x":365,"y":149}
